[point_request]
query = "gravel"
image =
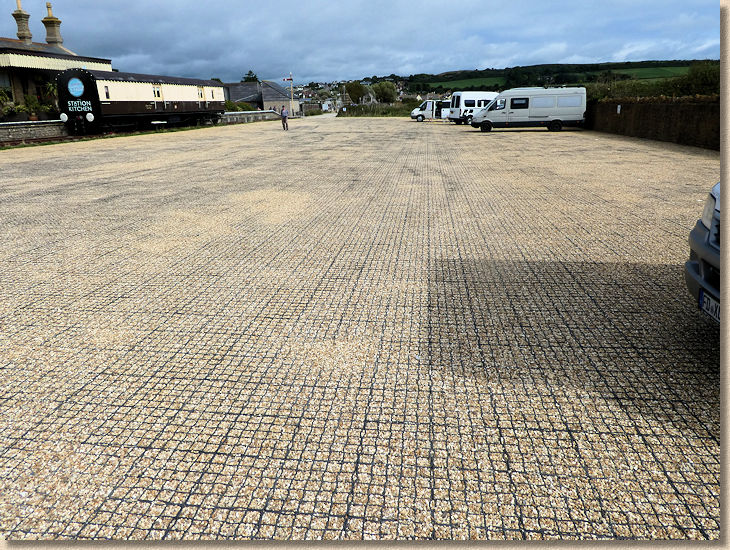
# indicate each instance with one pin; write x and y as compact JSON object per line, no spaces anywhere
{"x":358,"y":329}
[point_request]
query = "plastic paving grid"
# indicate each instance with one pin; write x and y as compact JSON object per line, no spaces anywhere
{"x":355,"y":330}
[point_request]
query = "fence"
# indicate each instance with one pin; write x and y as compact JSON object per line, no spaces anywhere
{"x":687,"y":122}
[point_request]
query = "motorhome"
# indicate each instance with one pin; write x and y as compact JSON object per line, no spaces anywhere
{"x":431,"y":109}
{"x":463,"y":105}
{"x":522,"y":107}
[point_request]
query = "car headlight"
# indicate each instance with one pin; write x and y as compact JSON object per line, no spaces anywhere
{"x":708,"y":212}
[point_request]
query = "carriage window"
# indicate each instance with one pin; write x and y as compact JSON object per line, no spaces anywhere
{"x":200,"y":93}
{"x":519,"y":103}
{"x":156,"y":91}
{"x":212,"y":94}
{"x":106,"y":91}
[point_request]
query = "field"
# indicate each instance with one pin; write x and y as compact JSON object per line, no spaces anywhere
{"x":654,"y":72}
{"x":641,"y":73}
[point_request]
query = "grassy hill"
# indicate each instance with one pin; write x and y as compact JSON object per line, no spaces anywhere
{"x":553,"y":74}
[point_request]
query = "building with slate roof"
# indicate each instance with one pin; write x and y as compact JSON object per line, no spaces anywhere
{"x":247,"y":92}
{"x":27,"y":66}
{"x":264,"y":95}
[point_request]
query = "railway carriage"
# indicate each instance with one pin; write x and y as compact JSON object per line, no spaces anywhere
{"x":93,"y":101}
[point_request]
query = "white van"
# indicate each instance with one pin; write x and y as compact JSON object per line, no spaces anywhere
{"x":521,"y":107}
{"x":463,"y":105}
{"x":431,"y":108}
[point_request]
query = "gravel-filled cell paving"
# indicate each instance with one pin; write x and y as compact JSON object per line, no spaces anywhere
{"x":357,"y":329}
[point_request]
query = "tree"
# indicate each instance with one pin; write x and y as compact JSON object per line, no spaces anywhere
{"x":355,"y":90}
{"x":217,"y":79}
{"x":385,"y":92}
{"x":250,"y":76}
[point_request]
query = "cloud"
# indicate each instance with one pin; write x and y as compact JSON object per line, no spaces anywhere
{"x":319,"y":40}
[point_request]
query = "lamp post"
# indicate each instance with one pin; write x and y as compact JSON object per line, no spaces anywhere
{"x":291,"y":92}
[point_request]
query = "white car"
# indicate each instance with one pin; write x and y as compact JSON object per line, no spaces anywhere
{"x":702,"y":270}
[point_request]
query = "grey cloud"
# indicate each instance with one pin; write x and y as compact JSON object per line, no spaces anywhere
{"x":319,"y":40}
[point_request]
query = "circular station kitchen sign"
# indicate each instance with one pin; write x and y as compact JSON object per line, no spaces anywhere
{"x":75,"y":87}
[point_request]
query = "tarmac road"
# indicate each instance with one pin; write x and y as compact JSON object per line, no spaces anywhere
{"x":357,"y":329}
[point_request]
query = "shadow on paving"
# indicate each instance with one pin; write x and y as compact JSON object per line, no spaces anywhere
{"x":627,"y":333}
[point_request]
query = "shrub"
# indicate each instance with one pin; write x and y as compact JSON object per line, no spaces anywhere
{"x":238,"y":106}
{"x":311,"y":112}
{"x":396,"y":110}
{"x":32,"y":103}
{"x":703,"y":78}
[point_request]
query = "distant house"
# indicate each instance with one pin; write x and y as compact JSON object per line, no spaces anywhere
{"x":368,"y":98}
{"x":274,"y":96}
{"x":265,"y":95}
{"x":26,"y":66}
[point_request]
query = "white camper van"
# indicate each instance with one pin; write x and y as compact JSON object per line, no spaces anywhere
{"x":464,"y":104}
{"x":432,"y":109}
{"x":521,"y":107}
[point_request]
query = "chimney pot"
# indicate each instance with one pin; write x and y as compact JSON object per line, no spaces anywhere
{"x":52,"y":24}
{"x":21,"y":18}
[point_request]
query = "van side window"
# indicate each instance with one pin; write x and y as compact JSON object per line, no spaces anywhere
{"x":519,"y":103}
{"x":544,"y":102}
{"x":498,"y":105}
{"x":569,"y":101}
{"x":469,"y":103}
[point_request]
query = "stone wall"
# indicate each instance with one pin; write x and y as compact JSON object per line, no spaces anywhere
{"x":687,"y":123}
{"x":20,"y":131}
{"x":11,"y":132}
{"x":238,"y":117}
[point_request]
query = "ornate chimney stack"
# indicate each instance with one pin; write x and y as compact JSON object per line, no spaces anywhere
{"x":52,"y":24}
{"x":21,"y":18}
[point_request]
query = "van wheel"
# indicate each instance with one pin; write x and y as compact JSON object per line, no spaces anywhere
{"x":555,"y":126}
{"x":486,"y":127}
{"x":419,"y":118}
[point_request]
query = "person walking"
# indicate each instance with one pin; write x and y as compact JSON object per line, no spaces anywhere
{"x":284,"y":117}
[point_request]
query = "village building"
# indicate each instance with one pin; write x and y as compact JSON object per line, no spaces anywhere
{"x":266,"y":95}
{"x":27,"y":67}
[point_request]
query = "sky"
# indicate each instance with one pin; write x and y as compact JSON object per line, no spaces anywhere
{"x":325,"y":41}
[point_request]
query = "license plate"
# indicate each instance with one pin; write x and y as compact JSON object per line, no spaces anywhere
{"x":710,"y":306}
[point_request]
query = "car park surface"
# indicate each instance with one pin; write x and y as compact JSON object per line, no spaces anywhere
{"x":357,"y":329}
